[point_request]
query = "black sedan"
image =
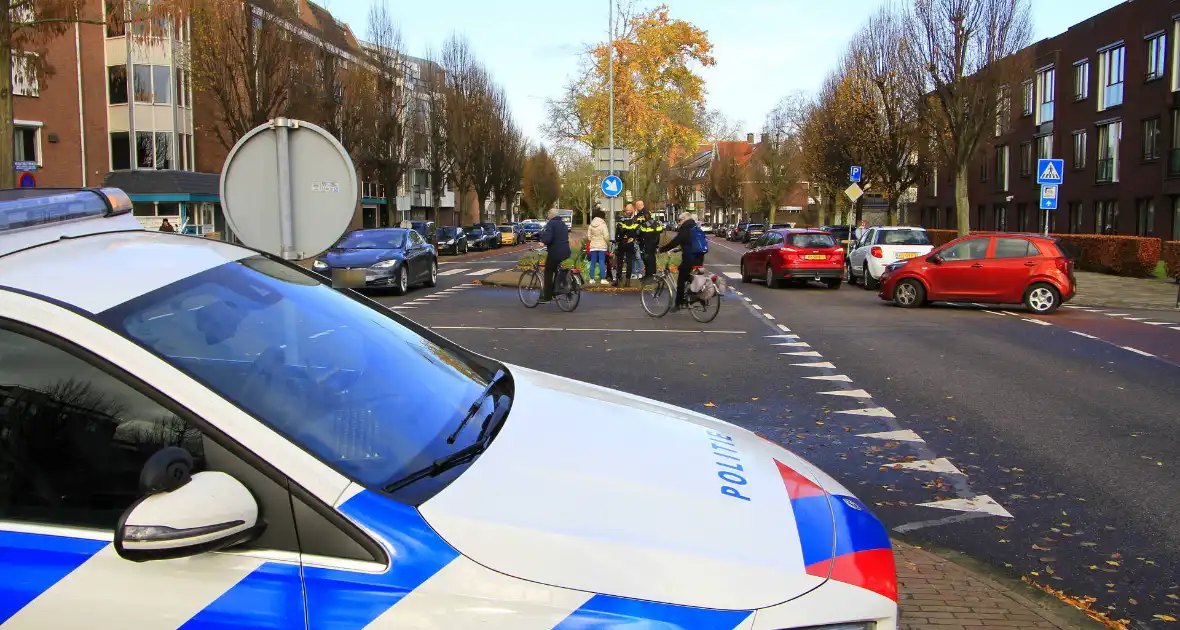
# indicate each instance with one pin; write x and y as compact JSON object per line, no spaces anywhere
{"x":386,"y":258}
{"x":492,"y":231}
{"x":532,"y":230}
{"x":451,"y":240}
{"x":477,"y":240}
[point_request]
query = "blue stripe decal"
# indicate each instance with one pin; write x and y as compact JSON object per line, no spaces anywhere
{"x":813,"y":518}
{"x":606,"y":611}
{"x":270,"y":597}
{"x":32,"y":563}
{"x":339,"y":599}
{"x":856,"y":527}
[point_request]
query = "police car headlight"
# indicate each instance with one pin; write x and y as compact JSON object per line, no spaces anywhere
{"x":386,"y":264}
{"x":319,"y":265}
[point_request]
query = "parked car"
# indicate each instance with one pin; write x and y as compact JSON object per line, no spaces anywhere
{"x":880,"y":246}
{"x":427,"y":230}
{"x":753,"y":231}
{"x":477,"y":239}
{"x":842,"y":234}
{"x":492,"y":231}
{"x":707,"y":228}
{"x":782,"y":226}
{"x":452,"y":240}
{"x":532,"y":230}
{"x":507,"y":235}
{"x":797,"y":256}
{"x":1027,"y":269}
{"x":735,"y":234}
{"x":388,"y":258}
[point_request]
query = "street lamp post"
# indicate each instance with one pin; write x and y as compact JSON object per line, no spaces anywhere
{"x":611,"y":118}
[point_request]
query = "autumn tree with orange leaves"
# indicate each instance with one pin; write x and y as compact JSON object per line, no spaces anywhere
{"x":659,"y":95}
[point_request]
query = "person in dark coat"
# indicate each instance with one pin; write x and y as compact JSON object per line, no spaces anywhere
{"x":556,"y":238}
{"x":688,"y":259}
{"x":166,"y":226}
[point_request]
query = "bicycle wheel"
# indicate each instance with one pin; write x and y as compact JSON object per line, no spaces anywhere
{"x":657,"y":295}
{"x":705,"y":312}
{"x":569,"y":300}
{"x":529,"y":288}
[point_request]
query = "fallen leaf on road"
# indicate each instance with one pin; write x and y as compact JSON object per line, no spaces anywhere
{"x":1040,"y":548}
{"x":754,"y":398}
{"x":709,"y":404}
{"x":1173,"y":596}
{"x":1089,"y":544}
{"x":1112,"y":563}
{"x":1167,"y":618}
{"x":819,"y":423}
{"x":1132,"y":601}
{"x":1002,"y":526}
{"x":1093,"y":567}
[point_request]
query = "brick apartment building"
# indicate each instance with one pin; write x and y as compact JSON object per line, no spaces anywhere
{"x":120,"y":113}
{"x":1105,"y":97}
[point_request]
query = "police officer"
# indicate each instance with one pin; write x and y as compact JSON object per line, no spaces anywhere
{"x":625,"y":232}
{"x":649,"y":241}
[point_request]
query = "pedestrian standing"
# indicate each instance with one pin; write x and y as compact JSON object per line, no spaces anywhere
{"x":625,"y":232}
{"x":166,"y":226}
{"x":599,"y":237}
{"x":556,"y":238}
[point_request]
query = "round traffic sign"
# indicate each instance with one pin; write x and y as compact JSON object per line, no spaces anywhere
{"x":289,"y":188}
{"x":27,"y":181}
{"x":612,"y":186}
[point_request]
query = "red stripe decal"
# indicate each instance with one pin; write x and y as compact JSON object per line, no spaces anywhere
{"x":820,"y":569}
{"x":798,"y":486}
{"x":871,"y":570}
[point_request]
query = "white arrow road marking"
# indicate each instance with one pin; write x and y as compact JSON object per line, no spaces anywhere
{"x":811,"y":353}
{"x":840,"y":378}
{"x":851,"y":393}
{"x":795,"y":344}
{"x":823,"y":364}
{"x":940,"y":465}
{"x":873,"y":412}
{"x":982,"y":503}
{"x":451,"y":272}
{"x":904,"y":435}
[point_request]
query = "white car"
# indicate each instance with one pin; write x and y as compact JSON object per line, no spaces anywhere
{"x":879,"y":246}
{"x":197,"y":434}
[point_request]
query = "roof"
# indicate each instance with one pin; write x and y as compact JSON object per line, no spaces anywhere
{"x":148,"y":182}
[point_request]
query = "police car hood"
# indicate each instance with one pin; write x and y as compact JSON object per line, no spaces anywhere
{"x":597,"y":490}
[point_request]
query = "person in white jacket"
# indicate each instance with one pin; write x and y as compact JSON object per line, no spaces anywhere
{"x":599,"y":237}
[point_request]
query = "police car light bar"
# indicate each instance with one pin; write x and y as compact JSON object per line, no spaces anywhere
{"x":32,"y":207}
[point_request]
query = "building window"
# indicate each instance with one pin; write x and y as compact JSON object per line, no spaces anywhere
{"x":1145,"y":217}
{"x":1110,"y":77}
{"x":24,"y":74}
{"x":1003,"y":111}
{"x":1079,"y":150}
{"x":1000,"y":217}
{"x":1044,"y":147}
{"x":164,"y":150}
{"x":983,"y":169}
{"x":1109,"y":136}
{"x":1025,"y":159}
{"x":153,"y":84}
{"x":145,"y":150}
{"x":120,"y":151}
{"x":1106,"y":217}
{"x":117,"y":84}
{"x":1075,"y":217}
{"x":1151,"y":139}
{"x":1046,"y":88}
{"x":1027,"y":99}
{"x":1002,"y":168}
{"x":1157,"y":47}
{"x":26,"y":144}
{"x":1176,"y":217}
{"x":116,"y":18}
{"x":1081,"y":80}
{"x":1021,"y":216}
{"x":1174,"y":150}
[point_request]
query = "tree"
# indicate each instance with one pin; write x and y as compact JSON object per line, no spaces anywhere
{"x":466,"y":88}
{"x":508,"y":155}
{"x":339,"y":96}
{"x":775,"y":165}
{"x":542,"y":183}
{"x":960,"y":50}
{"x":489,"y":114}
{"x":26,"y":27}
{"x":436,"y":155}
{"x":725,"y":179}
{"x":658,"y":100}
{"x":579,"y":182}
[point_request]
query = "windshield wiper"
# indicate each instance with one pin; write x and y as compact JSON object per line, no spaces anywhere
{"x":462,"y":456}
{"x":475,"y":406}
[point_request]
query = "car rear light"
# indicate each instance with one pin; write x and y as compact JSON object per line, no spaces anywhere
{"x":876,"y":252}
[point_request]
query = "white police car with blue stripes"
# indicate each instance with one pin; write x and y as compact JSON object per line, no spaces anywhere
{"x":194,"y":434}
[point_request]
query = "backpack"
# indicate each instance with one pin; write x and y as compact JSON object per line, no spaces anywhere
{"x":700,"y":242}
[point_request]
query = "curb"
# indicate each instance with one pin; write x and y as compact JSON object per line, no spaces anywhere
{"x":1120,"y":304}
{"x":1036,"y":602}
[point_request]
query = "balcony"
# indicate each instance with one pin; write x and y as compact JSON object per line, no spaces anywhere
{"x":1105,"y":170}
{"x":1174,"y":162}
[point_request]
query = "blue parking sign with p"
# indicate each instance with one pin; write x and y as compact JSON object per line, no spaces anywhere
{"x":1050,"y":172}
{"x":854,"y":175}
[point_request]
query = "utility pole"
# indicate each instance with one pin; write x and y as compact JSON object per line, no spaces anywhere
{"x":611,"y":123}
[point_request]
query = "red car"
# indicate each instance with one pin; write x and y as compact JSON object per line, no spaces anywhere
{"x":1027,"y":269}
{"x":795,"y":255}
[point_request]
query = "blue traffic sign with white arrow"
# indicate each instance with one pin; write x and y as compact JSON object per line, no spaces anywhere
{"x":1049,"y":196}
{"x":854,"y":176}
{"x":1050,"y":172}
{"x":612,"y":186}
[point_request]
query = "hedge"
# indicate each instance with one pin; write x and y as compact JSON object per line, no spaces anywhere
{"x":1133,"y":256}
{"x":1172,"y":258}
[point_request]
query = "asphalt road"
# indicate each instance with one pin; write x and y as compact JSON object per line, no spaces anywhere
{"x":1042,"y":446}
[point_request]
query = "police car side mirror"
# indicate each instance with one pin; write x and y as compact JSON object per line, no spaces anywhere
{"x":210,"y":512}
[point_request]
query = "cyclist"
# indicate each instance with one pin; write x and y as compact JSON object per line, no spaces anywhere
{"x":556,"y":238}
{"x":692,"y":255}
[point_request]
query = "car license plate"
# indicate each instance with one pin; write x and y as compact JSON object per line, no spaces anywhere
{"x":905,"y":255}
{"x":815,"y":257}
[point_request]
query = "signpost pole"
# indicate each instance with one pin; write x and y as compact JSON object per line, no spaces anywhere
{"x":286,"y":212}
{"x":611,"y":123}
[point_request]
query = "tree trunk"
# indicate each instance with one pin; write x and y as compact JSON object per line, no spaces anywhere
{"x":891,"y":220}
{"x":7,"y":174}
{"x":962,"y":203}
{"x":771,"y":215}
{"x":390,"y":184}
{"x":860,"y":208}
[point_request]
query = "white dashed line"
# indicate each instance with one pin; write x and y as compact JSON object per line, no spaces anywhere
{"x":738,"y":292}
{"x":1137,"y":351}
{"x":783,"y":328}
{"x":794,"y":344}
{"x":782,"y":336}
{"x":838,"y":378}
{"x":768,"y":316}
{"x":873,"y":412}
{"x":1116,"y":314}
{"x":824,"y":365}
{"x":401,"y":308}
{"x":904,"y":435}
{"x":1136,"y":319}
{"x":940,"y":465}
{"x":733,"y":275}
{"x":1082,"y":334}
{"x":747,"y":299}
{"x":850,"y":393}
{"x":993,"y":312}
{"x":451,"y":272}
{"x":1158,"y":323}
{"x":1037,"y":321}
{"x":756,"y":307}
{"x":483,"y":272}
{"x":813,"y":354}
{"x":1175,"y":327}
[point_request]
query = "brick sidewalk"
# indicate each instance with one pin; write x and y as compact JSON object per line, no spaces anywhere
{"x":937,"y":594}
{"x":1099,"y":289}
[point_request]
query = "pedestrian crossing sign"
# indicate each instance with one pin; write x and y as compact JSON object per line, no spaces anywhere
{"x":1049,"y":172}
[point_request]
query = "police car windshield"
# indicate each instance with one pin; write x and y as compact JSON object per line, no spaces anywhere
{"x":333,"y":373}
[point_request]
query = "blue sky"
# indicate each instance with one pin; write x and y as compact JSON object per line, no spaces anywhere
{"x":765,"y":49}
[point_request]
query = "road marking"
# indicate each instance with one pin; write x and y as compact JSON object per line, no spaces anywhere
{"x":982,"y":503}
{"x":618,"y":330}
{"x":1137,"y":351}
{"x":483,"y":272}
{"x":872,"y":412}
{"x":783,"y":328}
{"x":747,"y":299}
{"x":733,"y":275}
{"x":1158,"y":323}
{"x":940,"y":465}
{"x":821,"y":364}
{"x":451,"y":272}
{"x":1116,"y":314}
{"x":904,"y":435}
{"x":738,"y":292}
{"x":402,"y":308}
{"x":598,"y":330}
{"x":1175,"y":327}
{"x":1080,"y":308}
{"x":782,"y":336}
{"x":851,"y":393}
{"x":787,"y":344}
{"x":993,"y":312}
{"x":803,"y":354}
{"x":1136,"y":319}
{"x":768,"y":316}
{"x":795,"y":344}
{"x":1082,"y":334}
{"x":537,"y":329}
{"x":1037,"y":321}
{"x":461,"y":327}
{"x":756,"y":307}
{"x":839,"y":378}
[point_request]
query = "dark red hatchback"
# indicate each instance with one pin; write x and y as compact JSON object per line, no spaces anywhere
{"x":1027,"y":269}
{"x":794,"y":255}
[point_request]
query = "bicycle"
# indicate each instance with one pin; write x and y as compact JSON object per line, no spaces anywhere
{"x":567,"y":293}
{"x":658,"y":292}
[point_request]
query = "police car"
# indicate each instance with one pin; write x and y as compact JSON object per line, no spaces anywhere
{"x":195,"y":434}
